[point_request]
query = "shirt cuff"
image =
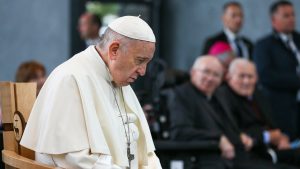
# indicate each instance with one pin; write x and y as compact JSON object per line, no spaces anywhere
{"x":266,"y":136}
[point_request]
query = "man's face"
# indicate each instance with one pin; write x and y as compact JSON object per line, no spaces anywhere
{"x":207,"y":76}
{"x":86,"y":28}
{"x":233,"y":18}
{"x":243,"y":80}
{"x":283,"y":20}
{"x":129,"y":62}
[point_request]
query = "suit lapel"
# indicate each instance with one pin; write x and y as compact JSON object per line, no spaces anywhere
{"x":223,"y":37}
{"x":206,"y":107}
{"x":296,"y":40}
{"x":285,"y":46}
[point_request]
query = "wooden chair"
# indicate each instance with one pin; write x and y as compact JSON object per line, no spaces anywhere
{"x":17,"y":100}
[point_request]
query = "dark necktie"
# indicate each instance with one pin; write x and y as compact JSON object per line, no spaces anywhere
{"x":238,"y":47}
{"x":290,"y":43}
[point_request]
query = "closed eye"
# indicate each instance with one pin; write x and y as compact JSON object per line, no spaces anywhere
{"x":140,"y":60}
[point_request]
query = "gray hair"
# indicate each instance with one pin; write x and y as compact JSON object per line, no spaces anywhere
{"x":110,"y":36}
{"x":239,"y":62}
{"x":199,"y":59}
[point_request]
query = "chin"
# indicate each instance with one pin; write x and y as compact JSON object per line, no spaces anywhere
{"x":247,"y":94}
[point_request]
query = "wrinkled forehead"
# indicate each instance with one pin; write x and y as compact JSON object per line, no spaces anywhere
{"x":211,"y":63}
{"x":143,"y":48}
{"x":246,"y":69}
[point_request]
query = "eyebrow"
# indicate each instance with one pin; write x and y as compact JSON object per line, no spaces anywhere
{"x":143,"y":57}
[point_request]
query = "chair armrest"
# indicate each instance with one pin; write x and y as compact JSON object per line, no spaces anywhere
{"x":13,"y":159}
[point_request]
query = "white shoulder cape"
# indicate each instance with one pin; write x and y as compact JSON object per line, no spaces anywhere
{"x":73,"y":112}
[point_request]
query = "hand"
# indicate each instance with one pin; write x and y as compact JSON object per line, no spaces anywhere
{"x":227,"y":148}
{"x":275,"y":136}
{"x":247,"y":141}
{"x":284,"y":143}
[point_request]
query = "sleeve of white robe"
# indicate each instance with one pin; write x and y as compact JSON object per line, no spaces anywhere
{"x":153,"y":161}
{"x":84,"y":160}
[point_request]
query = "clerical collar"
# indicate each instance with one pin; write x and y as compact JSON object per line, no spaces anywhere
{"x":202,"y":94}
{"x":248,"y":98}
{"x":208,"y":97}
{"x":230,"y":35}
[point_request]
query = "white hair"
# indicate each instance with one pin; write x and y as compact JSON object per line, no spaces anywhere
{"x":199,"y":59}
{"x":239,"y":62}
{"x":196,"y":63}
{"x":109,"y":35}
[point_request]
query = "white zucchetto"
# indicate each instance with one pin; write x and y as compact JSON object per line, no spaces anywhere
{"x":133,"y":27}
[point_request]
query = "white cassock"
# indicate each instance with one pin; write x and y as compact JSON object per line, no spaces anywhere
{"x":75,"y":122}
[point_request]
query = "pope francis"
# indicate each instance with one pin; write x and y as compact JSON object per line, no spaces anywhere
{"x":87,"y":115}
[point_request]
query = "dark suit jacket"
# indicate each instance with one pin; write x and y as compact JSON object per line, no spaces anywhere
{"x":254,"y":119}
{"x":276,"y":65}
{"x":192,"y":117}
{"x":221,"y":36}
{"x":246,"y":117}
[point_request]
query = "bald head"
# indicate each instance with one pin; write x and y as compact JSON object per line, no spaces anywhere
{"x":205,"y":60}
{"x":242,"y":77}
{"x":240,"y":63}
{"x":206,"y":74}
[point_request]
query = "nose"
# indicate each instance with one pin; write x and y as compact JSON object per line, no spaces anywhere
{"x":246,"y":80}
{"x":210,"y":78}
{"x":142,"y":70}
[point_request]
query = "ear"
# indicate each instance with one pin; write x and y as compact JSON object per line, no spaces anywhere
{"x":113,"y":50}
{"x":273,"y":19}
{"x":256,"y":78}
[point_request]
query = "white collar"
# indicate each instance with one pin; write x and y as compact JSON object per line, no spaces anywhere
{"x":231,"y":35}
{"x":96,"y":55}
{"x":208,"y":97}
{"x":285,"y":37}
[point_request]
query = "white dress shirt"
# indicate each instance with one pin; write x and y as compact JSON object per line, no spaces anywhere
{"x":231,"y":38}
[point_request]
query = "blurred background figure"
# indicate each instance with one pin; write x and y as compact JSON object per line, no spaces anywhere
{"x":223,"y":52}
{"x":252,"y":113}
{"x":277,"y":58}
{"x":32,"y":71}
{"x":89,"y":28}
{"x":232,"y":21}
{"x":0,"y":117}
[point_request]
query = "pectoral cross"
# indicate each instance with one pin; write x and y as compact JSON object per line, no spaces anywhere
{"x":129,"y":156}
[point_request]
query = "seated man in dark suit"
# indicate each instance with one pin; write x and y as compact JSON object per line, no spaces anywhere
{"x":232,"y":20}
{"x":252,"y":113}
{"x":277,"y":57}
{"x":198,"y":114}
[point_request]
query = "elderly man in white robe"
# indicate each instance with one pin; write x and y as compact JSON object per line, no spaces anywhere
{"x":87,"y":115}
